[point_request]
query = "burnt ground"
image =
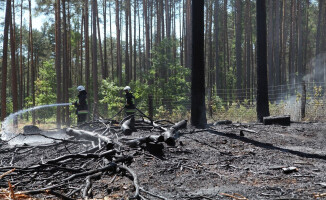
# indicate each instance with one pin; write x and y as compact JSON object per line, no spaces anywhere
{"x":212,"y":163}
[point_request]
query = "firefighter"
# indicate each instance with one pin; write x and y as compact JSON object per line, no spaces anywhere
{"x":129,"y":106}
{"x":81,"y":105}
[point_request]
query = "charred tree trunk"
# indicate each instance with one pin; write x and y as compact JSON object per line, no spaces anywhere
{"x":262,"y":84}
{"x":198,"y":109}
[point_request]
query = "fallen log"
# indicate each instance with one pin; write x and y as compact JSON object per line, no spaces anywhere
{"x":90,"y":136}
{"x":169,"y":135}
{"x":128,"y":126}
{"x":139,"y":141}
{"x":223,"y":122}
{"x":280,"y":120}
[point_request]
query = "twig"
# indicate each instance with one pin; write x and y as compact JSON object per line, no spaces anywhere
{"x":6,"y":173}
{"x":154,"y":195}
{"x":319,"y":195}
{"x":240,"y":197}
{"x":57,"y":194}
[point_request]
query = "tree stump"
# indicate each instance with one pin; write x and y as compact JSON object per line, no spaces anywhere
{"x":280,"y":120}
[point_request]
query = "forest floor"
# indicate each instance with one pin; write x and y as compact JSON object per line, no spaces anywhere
{"x":212,"y":163}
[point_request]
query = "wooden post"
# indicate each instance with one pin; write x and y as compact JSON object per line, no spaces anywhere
{"x":303,"y":100}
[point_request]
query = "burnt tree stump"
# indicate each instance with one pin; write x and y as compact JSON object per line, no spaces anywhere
{"x":280,"y":120}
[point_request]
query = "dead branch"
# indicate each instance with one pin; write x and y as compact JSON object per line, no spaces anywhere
{"x":81,"y":155}
{"x":235,"y":196}
{"x":169,"y":135}
{"x":6,"y":173}
{"x":154,"y":195}
{"x":140,"y":141}
{"x":135,"y":180}
{"x":89,"y":136}
{"x":89,"y":183}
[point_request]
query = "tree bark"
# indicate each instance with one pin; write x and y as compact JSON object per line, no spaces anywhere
{"x":4,"y":61}
{"x":87,"y":60}
{"x":13,"y":62}
{"x":127,"y":68}
{"x":94,"y":57}
{"x":198,"y":109}
{"x":32,"y":61}
{"x":238,"y":49}
{"x":277,"y":47}
{"x":262,"y":84}
{"x":58,"y":58}
{"x":117,"y":22}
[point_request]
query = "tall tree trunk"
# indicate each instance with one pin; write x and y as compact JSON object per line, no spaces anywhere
{"x":135,"y":39}
{"x":106,"y":75}
{"x":58,"y":58}
{"x":188,"y":51}
{"x":130,"y":41}
{"x":147,"y":35}
{"x":248,"y":48}
{"x":65,"y":66}
{"x":13,"y":62}
{"x":198,"y":109}
{"x":32,"y":61}
{"x":117,"y":22}
{"x":127,"y":69}
{"x":270,"y":46}
{"x":87,"y":59}
{"x":226,"y":59}
{"x":319,"y":71}
{"x":94,"y":57}
{"x":111,"y":45}
{"x":283,"y":47}
{"x":300,"y":41}
{"x":81,"y":48}
{"x":21,"y":92}
{"x":262,"y":84}
{"x":103,"y":69}
{"x":277,"y":62}
{"x":4,"y":61}
{"x":218,"y":74}
{"x":238,"y":48}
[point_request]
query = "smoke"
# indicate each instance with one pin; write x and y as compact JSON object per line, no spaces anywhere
{"x":7,"y":129}
{"x":318,"y":64}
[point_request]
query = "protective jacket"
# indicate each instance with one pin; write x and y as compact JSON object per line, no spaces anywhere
{"x":81,"y":104}
{"x":129,"y":102}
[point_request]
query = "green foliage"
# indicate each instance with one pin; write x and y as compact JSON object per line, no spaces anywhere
{"x":111,"y":95}
{"x":167,"y":91}
{"x":45,"y":89}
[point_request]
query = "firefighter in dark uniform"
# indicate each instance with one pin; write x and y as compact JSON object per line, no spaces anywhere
{"x":129,"y":106}
{"x":81,"y":105}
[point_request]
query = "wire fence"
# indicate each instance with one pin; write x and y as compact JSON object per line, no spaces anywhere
{"x":302,"y":101}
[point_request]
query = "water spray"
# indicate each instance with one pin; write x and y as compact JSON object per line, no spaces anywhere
{"x":7,"y":131}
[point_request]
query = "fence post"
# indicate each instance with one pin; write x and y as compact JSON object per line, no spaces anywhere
{"x":303,"y":100}
{"x":150,"y":106}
